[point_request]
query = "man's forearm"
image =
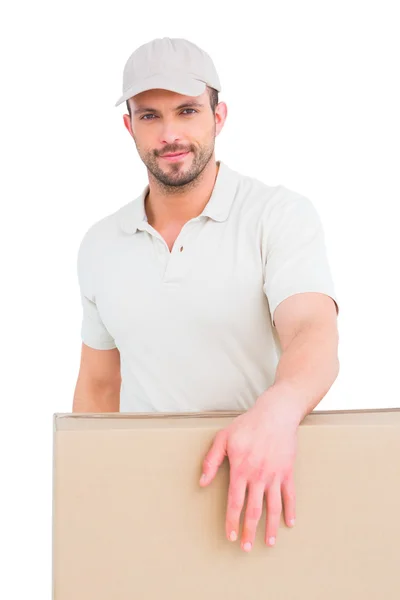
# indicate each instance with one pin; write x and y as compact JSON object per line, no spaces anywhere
{"x":96,"y":399}
{"x":306,"y":371}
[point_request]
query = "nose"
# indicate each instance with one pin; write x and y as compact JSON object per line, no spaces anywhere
{"x":170,"y":137}
{"x":170,"y":132}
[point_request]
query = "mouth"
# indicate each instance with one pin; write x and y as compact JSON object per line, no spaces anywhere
{"x":175,"y":157}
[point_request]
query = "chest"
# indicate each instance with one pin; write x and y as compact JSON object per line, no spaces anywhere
{"x":198,"y":278}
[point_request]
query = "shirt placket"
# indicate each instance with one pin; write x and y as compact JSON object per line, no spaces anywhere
{"x":177,"y":261}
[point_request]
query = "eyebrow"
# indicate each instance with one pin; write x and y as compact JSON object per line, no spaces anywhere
{"x":143,"y":109}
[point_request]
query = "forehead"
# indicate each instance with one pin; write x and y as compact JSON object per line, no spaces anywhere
{"x":158,"y":97}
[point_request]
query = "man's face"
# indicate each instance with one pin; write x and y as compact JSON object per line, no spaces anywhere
{"x":163,"y":123}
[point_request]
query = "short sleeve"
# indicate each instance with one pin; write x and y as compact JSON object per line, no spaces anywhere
{"x":93,"y":331}
{"x":295,"y":252}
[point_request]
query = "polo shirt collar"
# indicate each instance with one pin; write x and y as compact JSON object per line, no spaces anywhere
{"x":133,"y":215}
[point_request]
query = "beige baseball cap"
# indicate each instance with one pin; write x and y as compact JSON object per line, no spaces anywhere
{"x":171,"y":64}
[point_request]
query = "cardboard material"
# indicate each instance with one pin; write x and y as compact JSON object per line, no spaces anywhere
{"x":130,"y":520}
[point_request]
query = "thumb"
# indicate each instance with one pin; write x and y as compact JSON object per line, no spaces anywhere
{"x":214,"y":458}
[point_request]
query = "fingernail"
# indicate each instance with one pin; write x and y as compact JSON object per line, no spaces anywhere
{"x":292,"y":522}
{"x":271,"y":541}
{"x":233,"y":536}
{"x":247,"y":546}
{"x":203,"y":478}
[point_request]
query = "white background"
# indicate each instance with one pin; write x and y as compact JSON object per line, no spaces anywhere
{"x":313,"y":104}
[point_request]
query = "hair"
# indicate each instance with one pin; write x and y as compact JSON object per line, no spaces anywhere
{"x":212,"y":93}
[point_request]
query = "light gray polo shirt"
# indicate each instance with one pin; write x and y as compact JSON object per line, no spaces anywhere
{"x":194,"y":327}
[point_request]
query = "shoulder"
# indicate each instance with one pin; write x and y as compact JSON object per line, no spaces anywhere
{"x":278,"y":213}
{"x":268,"y":199}
{"x":103,"y":231}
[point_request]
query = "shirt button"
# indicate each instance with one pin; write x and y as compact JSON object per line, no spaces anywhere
{"x":180,"y":249}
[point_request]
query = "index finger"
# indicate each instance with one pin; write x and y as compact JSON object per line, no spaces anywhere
{"x":236,"y":496}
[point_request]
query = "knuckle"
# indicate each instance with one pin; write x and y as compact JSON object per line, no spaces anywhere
{"x":253,"y":467}
{"x":234,"y":505}
{"x":274,"y":509}
{"x":207,"y":462}
{"x":288,"y":479}
{"x":259,"y":473}
{"x":275,"y":504}
{"x":254,"y":513}
{"x":240,"y":471}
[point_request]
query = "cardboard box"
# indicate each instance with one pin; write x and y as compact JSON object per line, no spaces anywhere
{"x":130,"y":520}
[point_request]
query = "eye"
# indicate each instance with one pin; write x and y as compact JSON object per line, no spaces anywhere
{"x":152,"y":114}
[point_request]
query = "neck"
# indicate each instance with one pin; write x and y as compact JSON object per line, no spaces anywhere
{"x":188,"y":202}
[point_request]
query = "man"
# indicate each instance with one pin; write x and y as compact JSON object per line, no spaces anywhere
{"x":210,"y":290}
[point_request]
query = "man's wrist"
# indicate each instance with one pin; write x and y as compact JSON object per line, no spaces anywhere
{"x":283,"y":403}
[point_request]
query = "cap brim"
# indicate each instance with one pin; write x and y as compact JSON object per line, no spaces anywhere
{"x":182,"y":85}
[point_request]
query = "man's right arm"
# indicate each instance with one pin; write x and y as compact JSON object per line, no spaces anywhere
{"x":99,"y":381}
